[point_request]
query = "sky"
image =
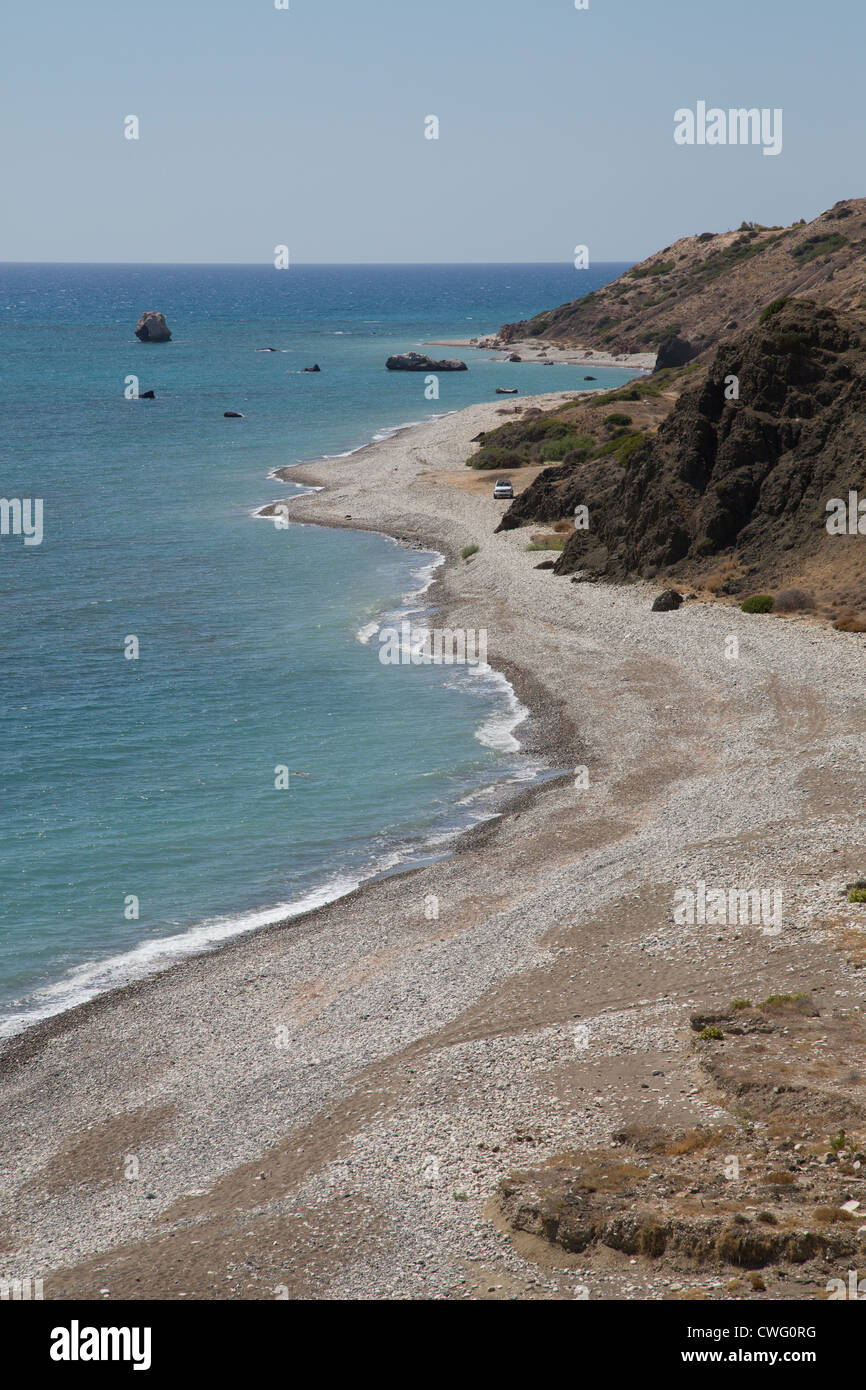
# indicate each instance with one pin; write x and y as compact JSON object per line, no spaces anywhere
{"x":305,"y":127}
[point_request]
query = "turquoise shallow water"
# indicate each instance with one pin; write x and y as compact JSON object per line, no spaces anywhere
{"x":154,"y":778}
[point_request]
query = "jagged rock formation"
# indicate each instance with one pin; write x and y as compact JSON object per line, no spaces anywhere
{"x":152,"y":328}
{"x":747,"y":460}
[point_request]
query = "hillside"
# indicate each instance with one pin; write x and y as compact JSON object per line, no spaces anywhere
{"x":705,"y":287}
{"x":730,"y":493}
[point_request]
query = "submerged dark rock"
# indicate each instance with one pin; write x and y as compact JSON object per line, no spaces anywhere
{"x":146,"y":396}
{"x":232,"y":415}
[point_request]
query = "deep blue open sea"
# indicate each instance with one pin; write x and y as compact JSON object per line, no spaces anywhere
{"x":153,"y":778}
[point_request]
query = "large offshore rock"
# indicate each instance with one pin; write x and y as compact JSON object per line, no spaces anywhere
{"x":152,"y":328}
{"x":417,"y":362}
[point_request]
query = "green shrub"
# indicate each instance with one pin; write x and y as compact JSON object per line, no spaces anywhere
{"x":758,"y":603}
{"x":717,"y":262}
{"x":777,"y":1001}
{"x":467,"y":551}
{"x":617,"y":419}
{"x":711,"y":1034}
{"x":857,"y":895}
{"x":553,"y":543}
{"x":624,"y":443}
{"x":641,"y":272}
{"x":741,"y":1004}
{"x":815,"y":246}
{"x":773,"y":308}
{"x":542,"y":439}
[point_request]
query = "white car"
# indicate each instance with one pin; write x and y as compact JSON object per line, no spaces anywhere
{"x":502,"y":488}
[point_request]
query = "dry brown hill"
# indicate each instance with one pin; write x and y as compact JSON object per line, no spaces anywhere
{"x":704,"y":288}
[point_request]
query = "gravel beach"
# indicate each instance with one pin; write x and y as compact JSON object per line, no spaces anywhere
{"x":324,"y":1109}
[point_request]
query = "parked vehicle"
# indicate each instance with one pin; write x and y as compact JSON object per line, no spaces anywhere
{"x":502,"y":488}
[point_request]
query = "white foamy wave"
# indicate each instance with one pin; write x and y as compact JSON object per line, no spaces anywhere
{"x":425,"y":574}
{"x":96,"y":977}
{"x":365,"y":633}
{"x":497,"y":730}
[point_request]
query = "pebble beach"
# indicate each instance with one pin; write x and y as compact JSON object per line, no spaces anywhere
{"x":324,"y":1108}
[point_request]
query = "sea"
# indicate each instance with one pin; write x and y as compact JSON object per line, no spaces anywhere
{"x":198,"y":737}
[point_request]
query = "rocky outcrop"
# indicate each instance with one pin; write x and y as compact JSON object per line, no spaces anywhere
{"x":668,"y":601}
{"x":669,"y":1196}
{"x":675,"y":352}
{"x":152,"y":328}
{"x":744,"y":464}
{"x":417,"y":362}
{"x":747,"y":458}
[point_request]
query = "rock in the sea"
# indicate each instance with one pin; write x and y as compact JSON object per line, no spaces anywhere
{"x":417,"y":362}
{"x":233,"y":415}
{"x":506,"y":390}
{"x":667,"y":602}
{"x":152,"y":328}
{"x":514,"y":357}
{"x":590,"y":378}
{"x":316,"y":368}
{"x":146,"y":396}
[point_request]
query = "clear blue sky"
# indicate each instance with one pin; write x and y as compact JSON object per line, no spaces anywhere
{"x":305,"y":126}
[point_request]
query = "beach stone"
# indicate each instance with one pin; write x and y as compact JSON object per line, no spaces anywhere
{"x":152,"y":328}
{"x":667,"y":602}
{"x":417,"y":362}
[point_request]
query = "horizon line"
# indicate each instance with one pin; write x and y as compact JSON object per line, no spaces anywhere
{"x":262,"y":265}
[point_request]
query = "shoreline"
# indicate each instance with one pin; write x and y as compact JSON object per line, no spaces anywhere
{"x":288,"y":473}
{"x":540,"y":738}
{"x":410,"y":1035}
{"x":544,"y":737}
{"x":541,"y":350}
